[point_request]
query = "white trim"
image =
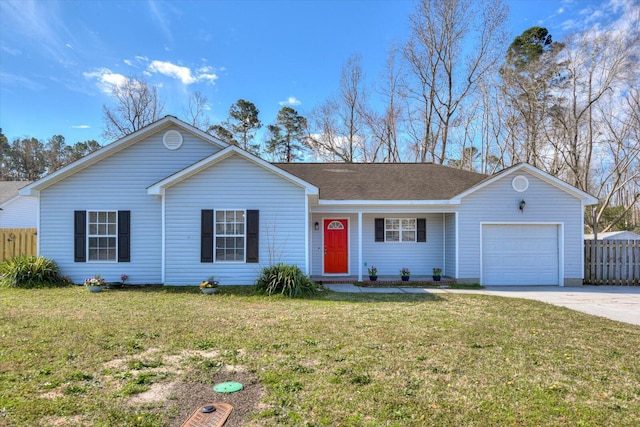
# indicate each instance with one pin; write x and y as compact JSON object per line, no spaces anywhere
{"x":163,"y":249}
{"x":559,"y":230}
{"x":244,"y":236}
{"x":457,"y":246}
{"x":38,"y":226}
{"x":155,"y":189}
{"x":388,"y":202}
{"x":444,"y":243}
{"x":307,"y":236}
{"x":587,"y":199}
{"x":88,"y":236}
{"x":359,"y":246}
{"x":400,"y":230}
{"x":348,"y":273}
{"x":34,"y":188}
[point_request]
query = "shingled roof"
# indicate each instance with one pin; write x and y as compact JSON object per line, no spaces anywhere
{"x":9,"y":189}
{"x":384,"y":181}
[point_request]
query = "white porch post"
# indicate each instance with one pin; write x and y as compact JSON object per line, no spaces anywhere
{"x":360,"y":246}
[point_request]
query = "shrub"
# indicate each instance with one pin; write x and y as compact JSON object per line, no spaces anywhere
{"x":284,"y":279}
{"x":30,"y":272}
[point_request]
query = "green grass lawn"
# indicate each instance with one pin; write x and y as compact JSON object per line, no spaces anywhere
{"x":69,"y":357}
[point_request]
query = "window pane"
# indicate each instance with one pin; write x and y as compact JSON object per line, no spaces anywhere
{"x":392,"y":236}
{"x":409,"y":223}
{"x":111,"y":217}
{"x":230,"y":216}
{"x":219,"y":216}
{"x":93,"y":216}
{"x":112,"y":229}
{"x":239,"y":228}
{"x":408,"y":236}
{"x":93,"y":229}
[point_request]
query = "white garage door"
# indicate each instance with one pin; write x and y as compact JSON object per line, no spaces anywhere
{"x":520,"y":254}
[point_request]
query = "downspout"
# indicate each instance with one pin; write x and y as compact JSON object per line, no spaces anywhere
{"x":164,"y":241}
{"x":359,"y":246}
{"x":307,"y":240}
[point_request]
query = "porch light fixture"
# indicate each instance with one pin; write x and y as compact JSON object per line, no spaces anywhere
{"x":316,"y":226}
{"x":522,"y":205}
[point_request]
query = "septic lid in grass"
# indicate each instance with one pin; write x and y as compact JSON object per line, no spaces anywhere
{"x":228,"y":387}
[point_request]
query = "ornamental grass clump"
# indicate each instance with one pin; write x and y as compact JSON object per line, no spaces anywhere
{"x":285,"y":279}
{"x":30,"y":272}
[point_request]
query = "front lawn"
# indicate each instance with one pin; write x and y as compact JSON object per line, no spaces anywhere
{"x":149,"y":357}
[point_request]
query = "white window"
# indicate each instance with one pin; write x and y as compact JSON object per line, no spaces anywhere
{"x":230,"y":235}
{"x":102,"y":235}
{"x":400,"y":229}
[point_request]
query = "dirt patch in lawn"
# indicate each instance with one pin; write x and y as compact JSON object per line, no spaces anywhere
{"x":182,"y":395}
{"x":187,"y":397}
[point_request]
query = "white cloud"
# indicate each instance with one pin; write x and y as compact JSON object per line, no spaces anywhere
{"x":184,"y":74}
{"x":106,"y":79}
{"x":172,"y":70}
{"x":81,"y":126}
{"x":292,"y":100}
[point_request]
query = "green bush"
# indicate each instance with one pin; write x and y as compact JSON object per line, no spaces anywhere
{"x":30,"y":272}
{"x":284,"y":279}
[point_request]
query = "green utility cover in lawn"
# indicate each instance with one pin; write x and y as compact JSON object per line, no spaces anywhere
{"x":228,"y":387}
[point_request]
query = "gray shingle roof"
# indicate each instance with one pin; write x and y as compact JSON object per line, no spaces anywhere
{"x":384,"y":181}
{"x":9,"y":189}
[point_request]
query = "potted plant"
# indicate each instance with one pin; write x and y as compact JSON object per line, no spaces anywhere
{"x":404,"y":274}
{"x":373,"y":273}
{"x":95,"y":283}
{"x":209,"y":286}
{"x":117,"y":285}
{"x":437,"y":273}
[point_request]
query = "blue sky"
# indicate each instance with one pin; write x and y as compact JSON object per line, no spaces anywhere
{"x":58,"y":58}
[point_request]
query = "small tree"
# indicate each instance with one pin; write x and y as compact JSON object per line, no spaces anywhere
{"x":288,"y":136}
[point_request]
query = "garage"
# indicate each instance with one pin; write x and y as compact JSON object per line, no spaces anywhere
{"x":520,"y":254}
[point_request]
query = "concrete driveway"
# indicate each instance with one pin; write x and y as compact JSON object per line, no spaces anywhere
{"x":621,"y":303}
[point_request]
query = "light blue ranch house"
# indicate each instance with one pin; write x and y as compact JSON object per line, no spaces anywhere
{"x":171,"y":204}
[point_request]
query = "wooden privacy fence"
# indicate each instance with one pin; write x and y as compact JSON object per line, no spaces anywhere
{"x":17,"y":241}
{"x":612,"y":262}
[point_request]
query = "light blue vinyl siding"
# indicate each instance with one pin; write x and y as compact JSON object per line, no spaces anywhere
{"x":388,"y":257}
{"x":498,"y":203}
{"x":118,"y":182}
{"x":450,"y":245}
{"x":233,"y":184}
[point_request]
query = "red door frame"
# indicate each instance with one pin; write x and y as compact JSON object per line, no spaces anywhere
{"x":340,"y":265}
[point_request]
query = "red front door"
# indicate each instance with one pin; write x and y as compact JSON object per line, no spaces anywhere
{"x":336,"y":247}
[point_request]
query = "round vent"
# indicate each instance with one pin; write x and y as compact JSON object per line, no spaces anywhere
{"x":520,"y":183}
{"x":172,"y":139}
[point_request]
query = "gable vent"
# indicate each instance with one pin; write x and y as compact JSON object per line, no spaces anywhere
{"x":172,"y":139}
{"x":520,"y":183}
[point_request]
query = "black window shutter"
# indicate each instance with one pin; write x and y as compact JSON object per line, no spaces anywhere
{"x":253,"y":235}
{"x":80,"y":236}
{"x":379,"y":229}
{"x":124,"y":236}
{"x":206,"y":235}
{"x":422,"y":229}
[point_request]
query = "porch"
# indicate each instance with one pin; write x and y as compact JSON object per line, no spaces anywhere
{"x":390,"y":280}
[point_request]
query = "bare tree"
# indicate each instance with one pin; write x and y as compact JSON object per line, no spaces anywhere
{"x":385,"y":127}
{"x":338,"y":125}
{"x":195,"y":113}
{"x":136,"y":104}
{"x":443,"y":72}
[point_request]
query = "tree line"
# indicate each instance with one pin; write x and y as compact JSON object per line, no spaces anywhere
{"x":458,"y":92}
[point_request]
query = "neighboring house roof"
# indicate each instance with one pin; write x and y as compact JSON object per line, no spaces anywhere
{"x":158,"y":187}
{"x":9,"y":189}
{"x":384,"y":181}
{"x":614,"y":235}
{"x":114,"y":147}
